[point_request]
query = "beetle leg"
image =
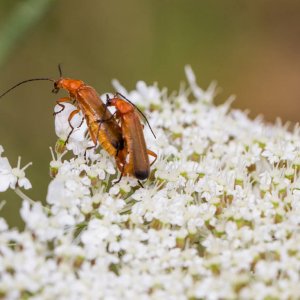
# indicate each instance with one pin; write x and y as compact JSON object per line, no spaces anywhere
{"x":121,"y":176}
{"x":72,"y":114}
{"x":140,"y":184}
{"x":152,"y":154}
{"x":81,"y":122}
{"x":59,"y":101}
{"x":96,"y":142}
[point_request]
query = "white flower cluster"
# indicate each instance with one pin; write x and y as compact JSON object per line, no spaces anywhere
{"x":219,"y":217}
{"x":12,"y":177}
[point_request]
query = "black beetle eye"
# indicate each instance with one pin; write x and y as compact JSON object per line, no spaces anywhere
{"x":55,"y":89}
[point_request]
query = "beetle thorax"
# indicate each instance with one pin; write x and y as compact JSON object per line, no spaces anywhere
{"x":71,"y":85}
{"x":123,"y":107}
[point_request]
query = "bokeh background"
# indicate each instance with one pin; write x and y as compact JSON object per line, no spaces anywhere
{"x":252,"y":48}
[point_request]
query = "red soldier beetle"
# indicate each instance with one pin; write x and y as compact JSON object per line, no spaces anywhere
{"x":108,"y":133}
{"x":137,"y":164}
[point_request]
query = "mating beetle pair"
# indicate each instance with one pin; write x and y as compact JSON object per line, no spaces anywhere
{"x":125,"y":142}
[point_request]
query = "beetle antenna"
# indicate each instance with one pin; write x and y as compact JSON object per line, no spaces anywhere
{"x":119,"y":94}
{"x":24,"y":81}
{"x":59,"y":70}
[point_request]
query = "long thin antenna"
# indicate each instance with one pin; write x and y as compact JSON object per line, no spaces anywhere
{"x":119,"y":94}
{"x":24,"y":81}
{"x":59,"y":70}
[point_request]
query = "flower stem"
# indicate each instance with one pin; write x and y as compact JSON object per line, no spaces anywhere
{"x":25,"y":197}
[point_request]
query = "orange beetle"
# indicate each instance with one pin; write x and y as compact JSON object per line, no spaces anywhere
{"x":137,"y":163}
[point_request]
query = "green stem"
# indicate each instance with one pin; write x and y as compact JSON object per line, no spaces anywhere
{"x":24,"y":16}
{"x":25,"y":197}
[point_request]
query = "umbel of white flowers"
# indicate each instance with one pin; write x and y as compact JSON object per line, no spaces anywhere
{"x":218,"y":219}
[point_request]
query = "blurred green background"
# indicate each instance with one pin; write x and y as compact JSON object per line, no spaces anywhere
{"x":252,"y":48}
